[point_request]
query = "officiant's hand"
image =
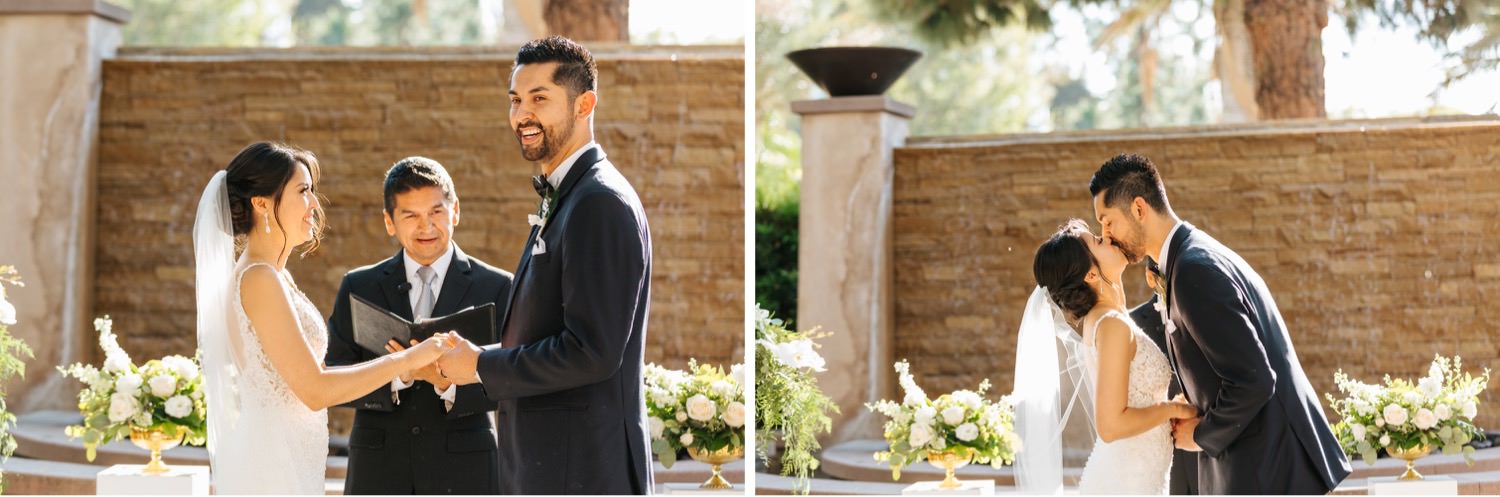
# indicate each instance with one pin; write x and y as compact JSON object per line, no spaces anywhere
{"x":428,"y":373}
{"x":459,"y":364}
{"x":1182,"y":433}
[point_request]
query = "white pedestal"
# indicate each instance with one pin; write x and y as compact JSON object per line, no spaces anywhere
{"x":692,"y":489}
{"x":1430,"y":485}
{"x":127,"y":479}
{"x":966,"y":487}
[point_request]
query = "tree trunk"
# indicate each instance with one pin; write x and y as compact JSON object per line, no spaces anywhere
{"x":1286,"y":38}
{"x":589,"y":20}
{"x":1233,"y":64}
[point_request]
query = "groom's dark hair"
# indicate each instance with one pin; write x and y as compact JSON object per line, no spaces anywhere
{"x":1127,"y":176}
{"x":416,"y":172}
{"x":576,"y":70}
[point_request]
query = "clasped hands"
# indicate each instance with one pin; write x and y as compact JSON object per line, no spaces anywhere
{"x":1184,"y":419}
{"x":454,"y":364}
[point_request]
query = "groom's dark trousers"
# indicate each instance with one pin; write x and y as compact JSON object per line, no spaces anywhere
{"x":568,"y":371}
{"x":1263,"y":430}
{"x":1184,"y":476}
{"x":418,"y":446}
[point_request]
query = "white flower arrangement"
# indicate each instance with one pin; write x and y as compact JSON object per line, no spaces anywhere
{"x":702,"y":408}
{"x":960,"y":420}
{"x":1438,"y":411}
{"x":160,"y":394}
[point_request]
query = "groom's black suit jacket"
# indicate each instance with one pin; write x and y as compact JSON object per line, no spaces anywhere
{"x":417,"y":447}
{"x":1263,"y":430}
{"x":568,"y":370}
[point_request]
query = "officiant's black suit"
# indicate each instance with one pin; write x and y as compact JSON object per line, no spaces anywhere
{"x":1263,"y":431}
{"x":1184,"y":477}
{"x":417,"y":447}
{"x":568,"y":371}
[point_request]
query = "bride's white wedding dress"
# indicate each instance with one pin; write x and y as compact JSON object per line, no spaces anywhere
{"x":286,"y":451}
{"x":1139,"y":464}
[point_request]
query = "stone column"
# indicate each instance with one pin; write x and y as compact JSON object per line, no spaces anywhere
{"x":844,"y":250}
{"x":51,"y":54}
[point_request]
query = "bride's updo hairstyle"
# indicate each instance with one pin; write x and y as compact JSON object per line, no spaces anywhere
{"x":1061,"y":264}
{"x":263,"y":169}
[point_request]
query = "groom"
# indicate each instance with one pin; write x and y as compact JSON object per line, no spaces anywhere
{"x":568,"y":371}
{"x":1262,"y":430}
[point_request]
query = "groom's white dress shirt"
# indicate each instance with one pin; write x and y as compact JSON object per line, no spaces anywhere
{"x":440,"y":270}
{"x":1166,"y":246}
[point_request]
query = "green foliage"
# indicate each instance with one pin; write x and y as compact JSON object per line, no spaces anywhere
{"x":200,"y":23}
{"x":776,"y":258}
{"x":789,"y":406}
{"x":12,"y":365}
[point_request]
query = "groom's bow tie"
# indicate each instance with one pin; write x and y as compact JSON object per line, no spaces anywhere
{"x":543,"y":188}
{"x":1151,"y":266}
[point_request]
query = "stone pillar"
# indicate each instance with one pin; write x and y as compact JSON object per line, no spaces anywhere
{"x":844,"y":250}
{"x":51,"y":54}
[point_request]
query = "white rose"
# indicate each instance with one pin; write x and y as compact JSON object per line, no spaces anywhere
{"x":700,"y":408}
{"x":1424,"y":419}
{"x":734,"y":415}
{"x":122,"y":406}
{"x":1443,"y":412}
{"x":953,"y":415}
{"x":1379,"y":421}
{"x":657,"y":427}
{"x":179,"y":406}
{"x":1385,"y":440}
{"x":925,"y":415}
{"x":681,"y":417}
{"x":7,"y":311}
{"x":920,"y":436}
{"x":1471,"y":409}
{"x":1395,"y":415}
{"x":686,"y":439}
{"x":183,"y":366}
{"x":969,"y":399}
{"x":128,"y":384}
{"x":163,"y":385}
{"x":967,"y":432}
{"x":117,"y":364}
{"x":1359,"y":431}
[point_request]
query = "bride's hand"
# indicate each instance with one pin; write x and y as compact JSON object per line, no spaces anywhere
{"x":430,"y":349}
{"x":1181,"y":410}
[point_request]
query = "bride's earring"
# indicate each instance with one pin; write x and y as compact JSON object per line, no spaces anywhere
{"x":266,"y":216}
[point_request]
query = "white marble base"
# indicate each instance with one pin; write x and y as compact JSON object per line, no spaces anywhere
{"x":966,"y":487}
{"x":1430,"y":485}
{"x":127,"y":479}
{"x":692,"y":489}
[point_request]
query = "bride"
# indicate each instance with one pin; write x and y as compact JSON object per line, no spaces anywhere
{"x":262,"y":340}
{"x":1119,"y":376}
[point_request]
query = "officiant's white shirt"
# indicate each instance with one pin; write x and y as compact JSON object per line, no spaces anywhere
{"x":440,"y":271}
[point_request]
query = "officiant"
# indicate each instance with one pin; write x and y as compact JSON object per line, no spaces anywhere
{"x":420,"y":434}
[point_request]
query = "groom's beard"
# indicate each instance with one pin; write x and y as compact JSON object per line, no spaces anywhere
{"x":546,"y":148}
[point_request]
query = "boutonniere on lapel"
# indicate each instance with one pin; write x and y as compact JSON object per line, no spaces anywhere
{"x":543,"y":212}
{"x":1159,"y":285}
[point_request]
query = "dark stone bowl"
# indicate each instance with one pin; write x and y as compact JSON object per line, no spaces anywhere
{"x":852,"y":71}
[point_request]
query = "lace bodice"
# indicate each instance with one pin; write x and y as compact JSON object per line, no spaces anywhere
{"x":1138,"y":464}
{"x":285,"y":427}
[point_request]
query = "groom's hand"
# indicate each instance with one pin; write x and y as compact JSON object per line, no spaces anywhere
{"x":1182,"y":434}
{"x":459,"y":365}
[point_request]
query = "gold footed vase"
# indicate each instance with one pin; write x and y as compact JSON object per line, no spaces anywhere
{"x":1410,"y":456}
{"x":949,"y":461}
{"x":157,"y":440}
{"x":716,"y":459}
